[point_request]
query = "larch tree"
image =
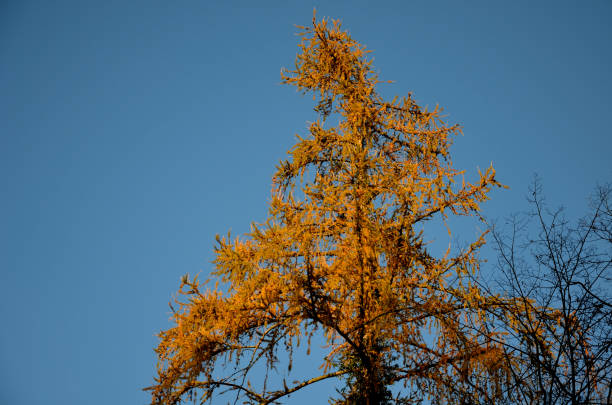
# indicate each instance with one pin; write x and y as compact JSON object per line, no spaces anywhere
{"x":343,"y":254}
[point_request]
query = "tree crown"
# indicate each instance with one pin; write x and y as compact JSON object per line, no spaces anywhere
{"x":342,"y":253}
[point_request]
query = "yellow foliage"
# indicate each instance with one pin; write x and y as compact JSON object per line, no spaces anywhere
{"x":342,"y":253}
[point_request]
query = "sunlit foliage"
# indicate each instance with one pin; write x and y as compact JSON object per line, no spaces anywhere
{"x":343,"y":254}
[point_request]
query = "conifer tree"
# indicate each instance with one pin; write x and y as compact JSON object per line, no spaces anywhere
{"x":343,"y":253}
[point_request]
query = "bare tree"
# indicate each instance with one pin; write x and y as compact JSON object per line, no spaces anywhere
{"x":558,"y":275}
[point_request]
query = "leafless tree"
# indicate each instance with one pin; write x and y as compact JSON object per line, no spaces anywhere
{"x":558,"y":275}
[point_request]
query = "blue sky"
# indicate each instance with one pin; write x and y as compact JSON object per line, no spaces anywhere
{"x":132,"y":132}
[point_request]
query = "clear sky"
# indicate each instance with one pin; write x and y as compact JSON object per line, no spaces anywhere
{"x":132,"y":132}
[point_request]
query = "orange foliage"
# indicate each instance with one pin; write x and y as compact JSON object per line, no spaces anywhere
{"x":341,"y":253}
